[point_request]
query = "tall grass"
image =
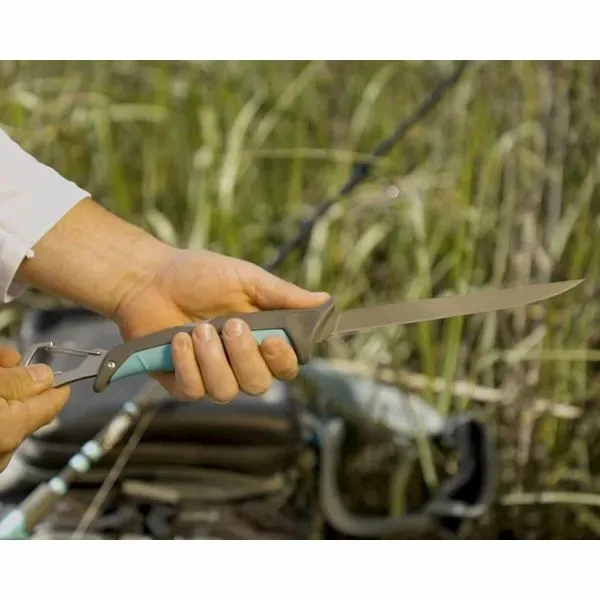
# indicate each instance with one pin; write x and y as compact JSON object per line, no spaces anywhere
{"x":497,"y":186}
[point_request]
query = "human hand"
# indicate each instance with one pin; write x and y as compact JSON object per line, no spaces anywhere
{"x":26,"y":404}
{"x":188,"y":286}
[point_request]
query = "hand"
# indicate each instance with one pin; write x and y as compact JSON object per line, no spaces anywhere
{"x":192,"y":286}
{"x":26,"y":401}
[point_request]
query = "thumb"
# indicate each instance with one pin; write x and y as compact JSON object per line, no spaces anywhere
{"x":268,"y":292}
{"x":20,"y":382}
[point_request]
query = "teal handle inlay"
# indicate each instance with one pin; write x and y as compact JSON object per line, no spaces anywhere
{"x":262,"y":334}
{"x":160,"y":359}
{"x":152,"y":360}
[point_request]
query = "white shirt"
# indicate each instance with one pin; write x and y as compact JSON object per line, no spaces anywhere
{"x":33,"y":198}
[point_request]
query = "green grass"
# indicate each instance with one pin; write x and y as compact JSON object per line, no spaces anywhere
{"x":498,"y":185}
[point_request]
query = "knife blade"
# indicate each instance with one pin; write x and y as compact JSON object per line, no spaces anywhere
{"x":433,"y":309}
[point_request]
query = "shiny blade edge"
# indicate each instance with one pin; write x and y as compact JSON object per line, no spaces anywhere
{"x":433,"y":309}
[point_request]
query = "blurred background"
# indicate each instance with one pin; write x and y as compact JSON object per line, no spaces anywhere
{"x":496,"y":185}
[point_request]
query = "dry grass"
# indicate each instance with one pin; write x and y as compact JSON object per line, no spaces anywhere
{"x":497,"y":186}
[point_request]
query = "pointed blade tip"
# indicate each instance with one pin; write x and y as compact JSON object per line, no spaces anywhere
{"x":545,"y":291}
{"x":564,"y":286}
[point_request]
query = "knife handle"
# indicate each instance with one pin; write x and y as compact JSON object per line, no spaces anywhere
{"x":152,"y":353}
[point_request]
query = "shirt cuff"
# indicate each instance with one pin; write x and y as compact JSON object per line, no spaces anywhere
{"x":12,"y":253}
{"x":14,"y":249}
{"x":33,"y":198}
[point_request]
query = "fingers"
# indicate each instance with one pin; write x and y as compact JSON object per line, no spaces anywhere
{"x":247,"y":364}
{"x":222,"y":366}
{"x":25,"y":402}
{"x":281,"y":358}
{"x":202,"y":367}
{"x":219,"y":380}
{"x":188,"y":380}
{"x":20,"y":418}
{"x":20,"y":382}
{"x":9,"y":357}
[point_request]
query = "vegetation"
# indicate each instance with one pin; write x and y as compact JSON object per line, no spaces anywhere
{"x":496,"y":186}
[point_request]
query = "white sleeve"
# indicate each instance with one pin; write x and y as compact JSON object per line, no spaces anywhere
{"x":33,"y":198}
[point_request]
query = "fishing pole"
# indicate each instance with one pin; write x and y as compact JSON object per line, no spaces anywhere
{"x":362,"y":169}
{"x":21,"y":521}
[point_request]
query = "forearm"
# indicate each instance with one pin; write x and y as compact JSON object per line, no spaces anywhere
{"x":93,"y":258}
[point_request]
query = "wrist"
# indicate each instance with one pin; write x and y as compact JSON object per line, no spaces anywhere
{"x":95,"y":259}
{"x":149,"y":257}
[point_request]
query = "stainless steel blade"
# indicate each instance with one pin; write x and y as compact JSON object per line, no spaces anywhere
{"x":433,"y":309}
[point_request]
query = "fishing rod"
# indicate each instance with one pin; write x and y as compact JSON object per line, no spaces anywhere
{"x":21,"y":521}
{"x":362,"y":169}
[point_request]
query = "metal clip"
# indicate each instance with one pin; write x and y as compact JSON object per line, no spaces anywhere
{"x":50,"y":348}
{"x":87,"y":368}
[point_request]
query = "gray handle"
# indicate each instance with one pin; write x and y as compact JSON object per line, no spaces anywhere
{"x":301,"y":328}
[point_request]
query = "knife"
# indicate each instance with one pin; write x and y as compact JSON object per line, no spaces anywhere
{"x":302,"y":328}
